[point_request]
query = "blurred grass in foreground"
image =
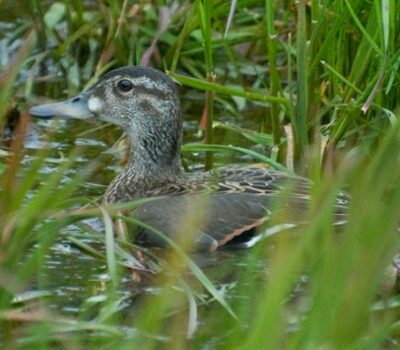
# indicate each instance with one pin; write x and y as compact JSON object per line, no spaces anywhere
{"x":332,"y":60}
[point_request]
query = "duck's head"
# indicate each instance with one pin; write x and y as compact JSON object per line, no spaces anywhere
{"x":140,"y":100}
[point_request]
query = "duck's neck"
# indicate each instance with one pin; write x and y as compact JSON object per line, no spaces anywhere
{"x":156,"y":156}
{"x":154,"y":161}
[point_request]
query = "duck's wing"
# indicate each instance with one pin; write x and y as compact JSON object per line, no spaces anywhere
{"x":202,"y":221}
{"x":208,"y":221}
{"x":240,"y":201}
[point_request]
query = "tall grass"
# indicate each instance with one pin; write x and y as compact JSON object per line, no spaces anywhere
{"x":325,"y":73}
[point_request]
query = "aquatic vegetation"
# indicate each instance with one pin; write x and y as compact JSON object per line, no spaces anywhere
{"x":309,"y":86}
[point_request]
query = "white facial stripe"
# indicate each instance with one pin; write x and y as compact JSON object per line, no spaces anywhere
{"x":95,"y":105}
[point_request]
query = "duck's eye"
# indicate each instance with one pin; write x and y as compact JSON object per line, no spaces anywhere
{"x":125,"y":85}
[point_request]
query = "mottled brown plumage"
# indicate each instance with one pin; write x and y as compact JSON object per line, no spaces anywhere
{"x":209,"y":209}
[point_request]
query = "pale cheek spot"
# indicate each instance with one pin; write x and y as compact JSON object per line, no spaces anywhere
{"x":95,"y":105}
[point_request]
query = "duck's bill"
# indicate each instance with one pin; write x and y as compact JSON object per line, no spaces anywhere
{"x":76,"y":108}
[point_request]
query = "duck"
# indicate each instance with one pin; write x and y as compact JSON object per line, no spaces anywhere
{"x":228,"y":207}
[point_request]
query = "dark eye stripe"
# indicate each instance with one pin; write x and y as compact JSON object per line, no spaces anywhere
{"x":125,"y":85}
